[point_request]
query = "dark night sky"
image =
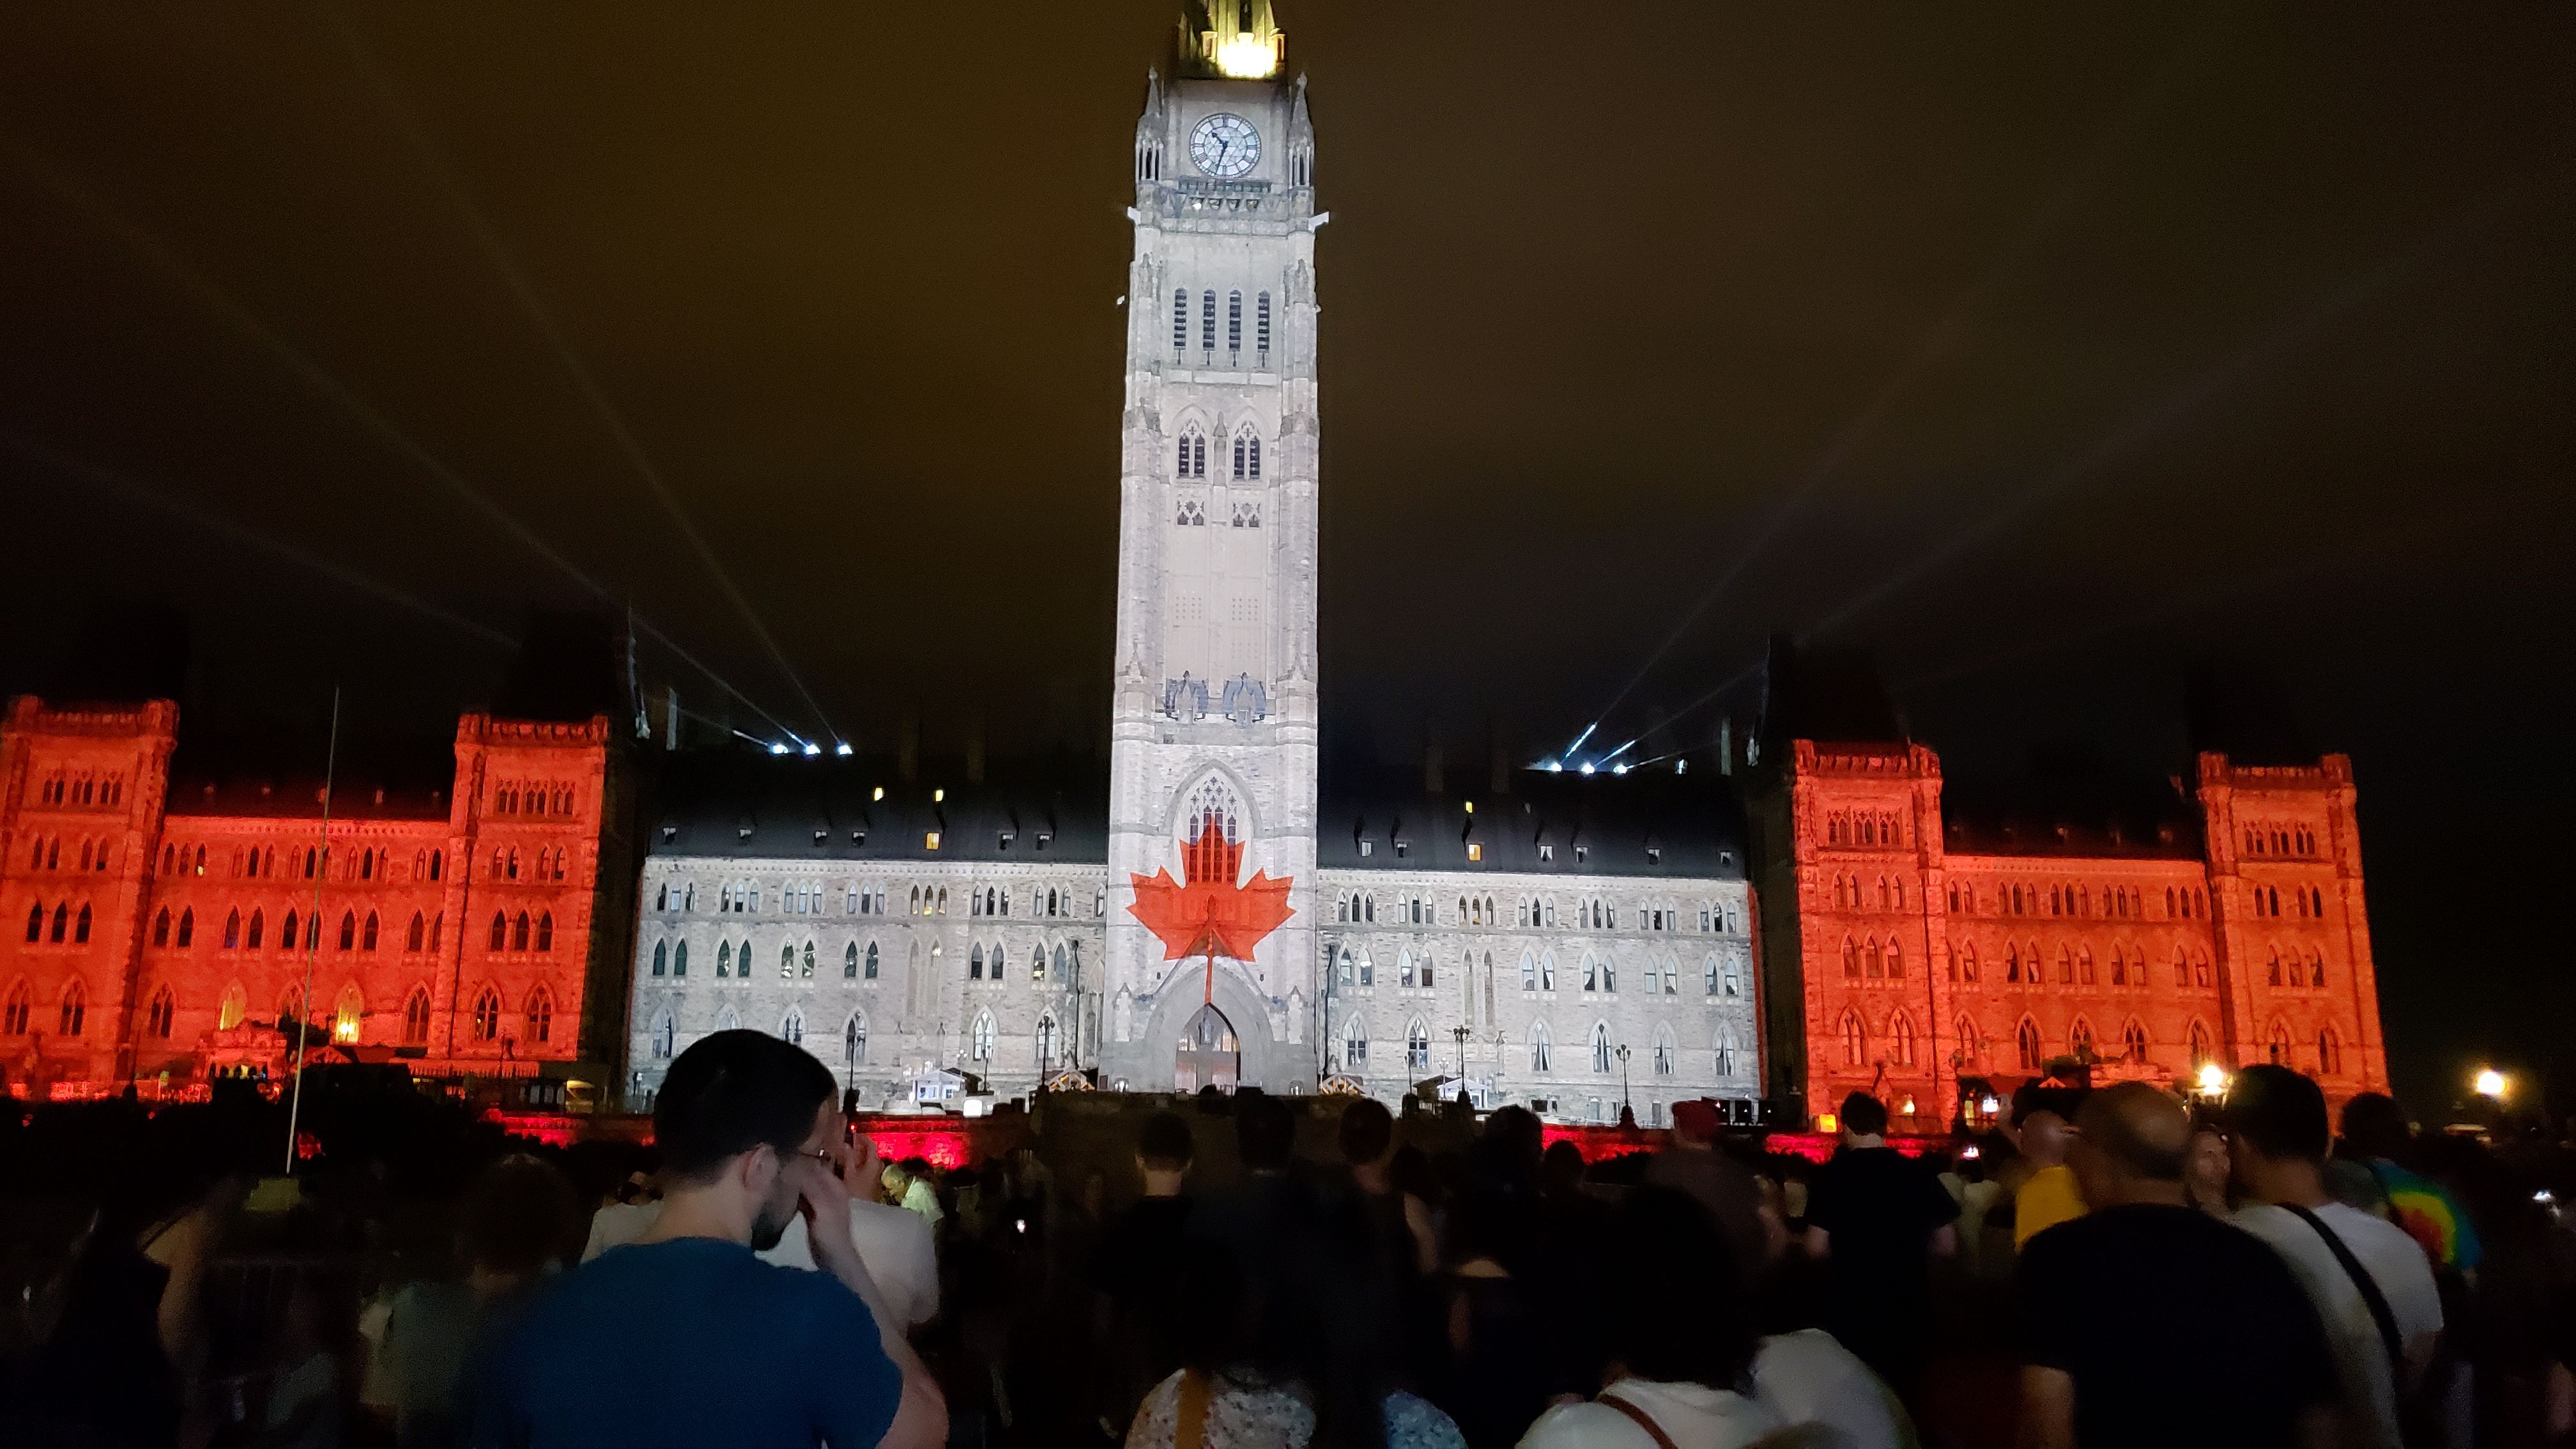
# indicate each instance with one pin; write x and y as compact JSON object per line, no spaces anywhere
{"x":2047,"y":352}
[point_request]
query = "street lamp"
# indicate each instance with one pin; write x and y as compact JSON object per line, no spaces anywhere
{"x":2490,"y":1084}
{"x":2213,"y":1080}
{"x":1625,"y":1109}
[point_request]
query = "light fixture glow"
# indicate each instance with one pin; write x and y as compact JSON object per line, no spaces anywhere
{"x":1556,"y":767}
{"x":843,"y":749}
{"x":1247,"y":57}
{"x":812,"y":749}
{"x":878,"y":793}
{"x":1618,"y":769}
{"x":1587,"y":767}
{"x":2489,"y":1083}
{"x":2213,"y":1079}
{"x":937,"y":796}
{"x":778,"y":749}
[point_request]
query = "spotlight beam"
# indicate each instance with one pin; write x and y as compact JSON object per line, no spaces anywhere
{"x":2148,"y":425}
{"x":118,"y":481}
{"x":1939,"y":341}
{"x":173,"y":268}
{"x":488,"y":241}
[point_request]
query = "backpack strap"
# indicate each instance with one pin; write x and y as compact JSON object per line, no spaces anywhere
{"x":1189,"y":1421}
{"x":1638,"y":1416}
{"x":2370,"y":1296}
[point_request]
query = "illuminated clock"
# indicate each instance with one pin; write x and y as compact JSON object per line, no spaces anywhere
{"x":1225,"y":145}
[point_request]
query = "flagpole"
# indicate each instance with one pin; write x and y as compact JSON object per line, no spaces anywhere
{"x":304,"y":1010}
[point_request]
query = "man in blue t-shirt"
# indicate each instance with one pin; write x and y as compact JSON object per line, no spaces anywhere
{"x":684,"y":1337}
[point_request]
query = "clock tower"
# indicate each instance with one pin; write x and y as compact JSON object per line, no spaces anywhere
{"x":1214,"y":724}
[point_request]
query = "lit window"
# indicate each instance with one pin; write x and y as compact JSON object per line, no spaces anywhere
{"x":930,"y":840}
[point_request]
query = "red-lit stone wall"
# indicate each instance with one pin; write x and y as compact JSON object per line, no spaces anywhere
{"x":1901,"y":968}
{"x":455,"y":930}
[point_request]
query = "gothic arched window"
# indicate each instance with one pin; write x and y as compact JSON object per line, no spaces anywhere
{"x":1601,"y":1046}
{"x":980,"y":1043}
{"x":75,"y":1009}
{"x":156,"y":1021}
{"x":2329,"y":1053}
{"x":854,"y":1040}
{"x":872,"y":961}
{"x":2027,"y":1040}
{"x":1539,"y":1044}
{"x":487,"y":1015}
{"x":1855,"y":1039}
{"x":1900,"y":1036}
{"x":416,"y":1018}
{"x":1417,"y":1046}
{"x":2133,"y":1042}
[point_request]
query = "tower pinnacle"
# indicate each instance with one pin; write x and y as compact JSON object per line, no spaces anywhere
{"x":1231,"y":40}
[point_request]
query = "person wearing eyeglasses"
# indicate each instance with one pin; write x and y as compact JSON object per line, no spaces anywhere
{"x":685,"y":1337}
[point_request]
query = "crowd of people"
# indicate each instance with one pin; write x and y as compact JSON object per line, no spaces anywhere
{"x":2109,"y":1267}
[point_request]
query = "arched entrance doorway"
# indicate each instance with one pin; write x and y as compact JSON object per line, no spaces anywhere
{"x":1208,"y":1054}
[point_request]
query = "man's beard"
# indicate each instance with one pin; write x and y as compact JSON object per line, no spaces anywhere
{"x":770,"y":1224}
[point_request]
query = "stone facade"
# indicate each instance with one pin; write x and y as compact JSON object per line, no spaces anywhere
{"x":162,"y":931}
{"x":1906,"y":960}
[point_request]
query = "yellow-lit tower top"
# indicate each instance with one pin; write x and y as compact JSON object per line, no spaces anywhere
{"x":1231,"y":40}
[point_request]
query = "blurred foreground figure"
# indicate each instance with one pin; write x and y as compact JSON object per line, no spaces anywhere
{"x":2259,"y":1373}
{"x":712,"y":1345}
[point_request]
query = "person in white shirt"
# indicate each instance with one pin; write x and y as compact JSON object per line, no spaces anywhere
{"x":2278,"y":1140}
{"x":895,"y":1244}
{"x":1680,"y":1338}
{"x":1809,"y":1379}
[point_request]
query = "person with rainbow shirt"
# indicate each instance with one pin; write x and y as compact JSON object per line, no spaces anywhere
{"x":2376,"y":1134}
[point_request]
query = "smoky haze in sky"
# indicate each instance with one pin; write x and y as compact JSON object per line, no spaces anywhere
{"x":2051,"y":355}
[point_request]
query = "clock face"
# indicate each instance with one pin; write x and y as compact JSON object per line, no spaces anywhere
{"x":1225,"y":145}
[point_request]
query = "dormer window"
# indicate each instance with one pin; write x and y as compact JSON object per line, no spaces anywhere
{"x":821,"y":836}
{"x":742,"y":832}
{"x":1726,"y":857}
{"x":1004,"y":840}
{"x":1401,"y":846}
{"x":1367,"y":847}
{"x":1045,"y":838}
{"x":930,"y":840}
{"x":1547,"y":852}
{"x":1654,"y":855}
{"x":1582,"y":853}
{"x":670,"y":833}
{"x":858,"y":837}
{"x":1475,"y":850}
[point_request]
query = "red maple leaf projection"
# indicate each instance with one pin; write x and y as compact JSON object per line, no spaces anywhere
{"x":1206,"y":912}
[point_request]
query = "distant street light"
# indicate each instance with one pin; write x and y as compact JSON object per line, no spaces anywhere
{"x":2490,"y":1084}
{"x":2213,"y":1080}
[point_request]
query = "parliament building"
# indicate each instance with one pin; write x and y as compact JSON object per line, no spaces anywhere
{"x":1769,"y":923}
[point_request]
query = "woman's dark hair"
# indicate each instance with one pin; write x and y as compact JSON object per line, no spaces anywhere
{"x":1673,"y":1303}
{"x":1302,"y":1310}
{"x":519,"y":1216}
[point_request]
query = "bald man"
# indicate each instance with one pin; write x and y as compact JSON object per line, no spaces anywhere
{"x":2108,"y":1299}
